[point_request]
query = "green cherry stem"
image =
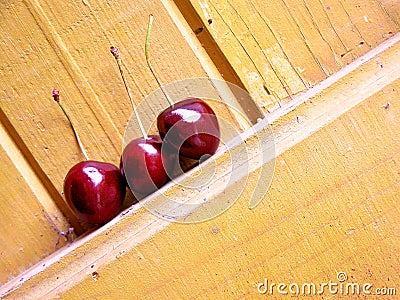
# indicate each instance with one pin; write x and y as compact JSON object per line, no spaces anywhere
{"x":56,"y":97}
{"x":146,"y":51}
{"x":114,"y":51}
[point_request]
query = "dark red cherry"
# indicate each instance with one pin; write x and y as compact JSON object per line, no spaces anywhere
{"x":95,"y":191}
{"x":143,"y":165}
{"x":190,"y":126}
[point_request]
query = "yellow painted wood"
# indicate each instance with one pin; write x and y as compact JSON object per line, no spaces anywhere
{"x":280,"y":48}
{"x":69,"y":45}
{"x":332,"y":204}
{"x":332,"y":208}
{"x":70,"y":40}
{"x":30,"y":222}
{"x":393,"y":8}
{"x":65,"y":45}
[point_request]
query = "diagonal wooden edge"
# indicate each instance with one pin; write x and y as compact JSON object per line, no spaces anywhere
{"x":323,"y":85}
{"x":53,"y":204}
{"x":209,"y":61}
{"x":291,"y":124}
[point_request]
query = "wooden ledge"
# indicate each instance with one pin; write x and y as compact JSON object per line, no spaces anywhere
{"x":100,"y":251}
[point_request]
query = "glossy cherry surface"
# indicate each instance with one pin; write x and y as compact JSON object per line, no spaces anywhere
{"x":190,"y":126}
{"x":145,"y":165}
{"x":95,"y":191}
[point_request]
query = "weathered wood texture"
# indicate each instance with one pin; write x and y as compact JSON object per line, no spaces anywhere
{"x":27,"y":206}
{"x":65,"y":44}
{"x":332,"y":205}
{"x":393,"y":9}
{"x":332,"y":208}
{"x":280,"y":48}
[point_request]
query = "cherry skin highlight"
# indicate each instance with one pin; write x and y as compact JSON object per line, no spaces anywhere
{"x":145,"y":165}
{"x":95,"y":191}
{"x":191,"y":126}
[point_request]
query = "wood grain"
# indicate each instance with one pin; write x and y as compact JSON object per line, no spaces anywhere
{"x":30,"y":222}
{"x":65,"y":45}
{"x":393,"y":9}
{"x":332,"y":207}
{"x":283,"y":47}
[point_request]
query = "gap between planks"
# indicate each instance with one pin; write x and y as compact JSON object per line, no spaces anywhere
{"x":51,"y":211}
{"x":336,"y":95}
{"x":323,"y":85}
{"x":214,"y":62}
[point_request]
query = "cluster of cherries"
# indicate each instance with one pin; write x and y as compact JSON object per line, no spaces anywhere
{"x":189,"y":128}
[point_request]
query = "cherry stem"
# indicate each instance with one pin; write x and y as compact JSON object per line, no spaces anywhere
{"x":56,"y":97}
{"x":146,"y":51}
{"x":114,"y":51}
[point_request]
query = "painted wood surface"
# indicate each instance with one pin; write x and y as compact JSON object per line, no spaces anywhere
{"x":343,"y":143}
{"x":281,"y":48}
{"x":65,"y":45}
{"x":332,"y":204}
{"x":30,"y":221}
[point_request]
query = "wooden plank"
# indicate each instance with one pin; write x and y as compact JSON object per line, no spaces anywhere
{"x":95,"y":97}
{"x":66,"y":45}
{"x":283,"y":47}
{"x":332,"y":207}
{"x":203,"y":41}
{"x":392,"y":7}
{"x":368,"y":17}
{"x":30,"y":222}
